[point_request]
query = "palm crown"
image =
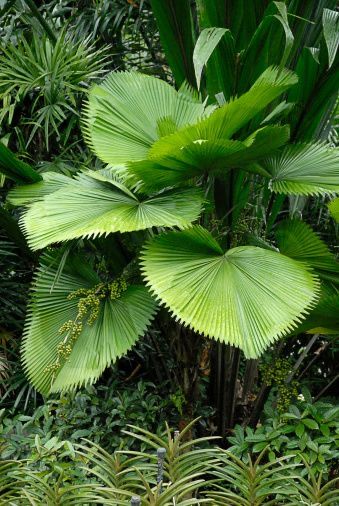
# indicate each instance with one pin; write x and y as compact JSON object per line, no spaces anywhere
{"x":163,"y":148}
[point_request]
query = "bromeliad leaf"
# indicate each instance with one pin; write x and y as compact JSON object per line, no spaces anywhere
{"x":90,"y":205}
{"x":121,"y":319}
{"x":126,"y":114}
{"x":303,"y":169}
{"x":247,"y":297}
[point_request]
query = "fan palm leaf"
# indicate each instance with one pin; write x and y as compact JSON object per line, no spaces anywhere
{"x":93,"y":205}
{"x":303,"y":169}
{"x":297,"y":240}
{"x":129,"y":111}
{"x":119,"y":323}
{"x":324,"y":318}
{"x":166,"y":167}
{"x":247,"y":297}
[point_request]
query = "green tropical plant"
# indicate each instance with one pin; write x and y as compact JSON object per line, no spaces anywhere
{"x":251,"y":484}
{"x":190,"y":162}
{"x":314,"y":491}
{"x":169,"y":469}
{"x":98,"y":414}
{"x":256,"y":309}
{"x":47,"y":84}
{"x":183,"y":463}
{"x":306,"y":432}
{"x":293,"y":34}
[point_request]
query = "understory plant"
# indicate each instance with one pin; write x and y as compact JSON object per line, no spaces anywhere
{"x":307,"y":432}
{"x":171,"y":469}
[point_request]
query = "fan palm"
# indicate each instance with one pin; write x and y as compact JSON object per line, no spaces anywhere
{"x":169,"y":142}
{"x":168,"y":153}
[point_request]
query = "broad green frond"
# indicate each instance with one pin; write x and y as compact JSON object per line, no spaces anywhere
{"x":247,"y":297}
{"x":306,"y":169}
{"x":229,"y":118}
{"x":129,"y":111}
{"x":334,"y":208}
{"x":91,"y":205}
{"x":119,"y":323}
{"x":297,"y":240}
{"x":181,"y":163}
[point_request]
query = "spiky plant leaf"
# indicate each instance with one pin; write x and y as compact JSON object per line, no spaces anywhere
{"x":127,"y":113}
{"x":119,"y":324}
{"x":247,"y":297}
{"x":171,"y":164}
{"x":91,"y":205}
{"x":334,"y":209}
{"x":306,"y":169}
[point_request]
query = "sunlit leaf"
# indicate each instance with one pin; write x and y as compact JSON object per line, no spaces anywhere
{"x":247,"y":297}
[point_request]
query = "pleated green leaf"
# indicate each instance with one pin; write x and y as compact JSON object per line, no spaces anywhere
{"x":125,"y":115}
{"x":29,"y":193}
{"x":175,"y":25}
{"x":90,"y":207}
{"x":247,"y":297}
{"x":331,"y":33}
{"x":297,"y":240}
{"x":174,"y":164}
{"x":224,"y":122}
{"x":119,"y":324}
{"x":324,"y":318}
{"x":334,"y":208}
{"x":207,"y":41}
{"x":303,"y":169}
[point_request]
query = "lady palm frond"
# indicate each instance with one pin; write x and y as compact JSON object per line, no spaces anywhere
{"x":77,"y":325}
{"x":247,"y":297}
{"x":297,"y":240}
{"x":50,"y":74}
{"x":91,"y":205}
{"x":213,"y":156}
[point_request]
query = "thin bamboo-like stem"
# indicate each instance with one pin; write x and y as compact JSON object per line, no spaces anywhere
{"x":301,"y":358}
{"x":321,"y":393}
